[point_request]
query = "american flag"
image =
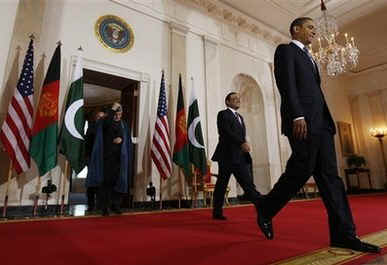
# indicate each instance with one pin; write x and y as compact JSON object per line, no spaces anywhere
{"x":16,"y":130}
{"x":161,"y":151}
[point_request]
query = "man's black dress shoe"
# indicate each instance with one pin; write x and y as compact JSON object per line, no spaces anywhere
{"x":357,"y":245}
{"x":219,"y":217}
{"x":264,"y":223}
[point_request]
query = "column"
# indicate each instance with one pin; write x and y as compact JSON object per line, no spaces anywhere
{"x":176,"y":188}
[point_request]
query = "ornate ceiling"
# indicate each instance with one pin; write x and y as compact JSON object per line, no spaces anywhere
{"x":270,"y":19}
{"x":279,"y":13}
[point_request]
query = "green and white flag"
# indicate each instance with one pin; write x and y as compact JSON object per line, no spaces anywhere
{"x":197,"y":152}
{"x":71,"y":140}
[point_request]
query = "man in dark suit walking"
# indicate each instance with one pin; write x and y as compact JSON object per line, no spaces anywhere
{"x":309,"y":127}
{"x":233,"y":155}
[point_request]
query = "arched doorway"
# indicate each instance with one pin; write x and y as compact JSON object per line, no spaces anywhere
{"x":252,"y":109}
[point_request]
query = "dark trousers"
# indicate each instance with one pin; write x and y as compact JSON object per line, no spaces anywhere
{"x":243,"y":175}
{"x":109,"y":198}
{"x":315,"y":156}
{"x":92,"y":198}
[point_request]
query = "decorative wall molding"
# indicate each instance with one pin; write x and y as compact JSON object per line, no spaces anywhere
{"x":222,"y":12}
{"x":208,"y":39}
{"x":167,"y":14}
{"x":367,"y":70}
{"x":178,"y":28}
{"x":114,"y":70}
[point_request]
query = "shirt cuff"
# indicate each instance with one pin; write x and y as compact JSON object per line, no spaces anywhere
{"x":299,"y":118}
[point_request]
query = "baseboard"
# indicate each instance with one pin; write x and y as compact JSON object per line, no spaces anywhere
{"x":26,"y":212}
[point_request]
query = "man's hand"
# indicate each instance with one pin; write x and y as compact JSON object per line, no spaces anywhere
{"x":116,"y":106}
{"x":300,"y":129}
{"x":246,"y":147}
{"x":117,"y":140}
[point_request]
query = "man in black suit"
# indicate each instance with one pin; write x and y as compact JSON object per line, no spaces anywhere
{"x":309,"y":127}
{"x":233,"y":155}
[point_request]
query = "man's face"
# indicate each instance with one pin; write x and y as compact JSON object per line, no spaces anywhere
{"x":117,"y":116}
{"x":234,"y":101}
{"x":99,"y":115}
{"x":305,"y":33}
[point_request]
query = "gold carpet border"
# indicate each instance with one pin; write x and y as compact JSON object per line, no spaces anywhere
{"x":335,"y":256}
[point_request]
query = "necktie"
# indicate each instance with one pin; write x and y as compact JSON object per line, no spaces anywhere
{"x":307,"y":53}
{"x":238,"y":117}
{"x":311,"y":58}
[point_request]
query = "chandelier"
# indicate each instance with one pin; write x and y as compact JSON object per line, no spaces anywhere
{"x":334,"y":57}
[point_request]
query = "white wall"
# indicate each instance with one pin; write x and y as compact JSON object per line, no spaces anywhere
{"x":8,"y":9}
{"x":368,"y":98}
{"x":337,"y":97}
{"x":360,"y":99}
{"x":234,"y":62}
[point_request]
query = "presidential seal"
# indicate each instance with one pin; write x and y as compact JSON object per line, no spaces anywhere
{"x":114,"y":33}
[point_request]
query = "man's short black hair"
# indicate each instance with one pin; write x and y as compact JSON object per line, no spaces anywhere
{"x":229,"y":96}
{"x":298,"y":22}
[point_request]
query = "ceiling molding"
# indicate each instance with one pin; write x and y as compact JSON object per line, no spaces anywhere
{"x":293,"y":8}
{"x":236,"y":18}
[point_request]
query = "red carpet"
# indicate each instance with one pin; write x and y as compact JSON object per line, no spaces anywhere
{"x":186,"y":237}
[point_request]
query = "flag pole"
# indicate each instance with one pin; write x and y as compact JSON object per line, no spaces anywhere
{"x":58,"y":196}
{"x":64,"y":188}
{"x":180,"y":194}
{"x":7,"y":189}
{"x":36,"y":200}
{"x":161,"y":200}
{"x":194,"y":188}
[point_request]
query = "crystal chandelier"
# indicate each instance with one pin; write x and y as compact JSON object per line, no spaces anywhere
{"x":336,"y":58}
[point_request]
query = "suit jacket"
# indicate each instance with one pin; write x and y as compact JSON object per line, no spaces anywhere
{"x":298,"y":81}
{"x":232,"y":134}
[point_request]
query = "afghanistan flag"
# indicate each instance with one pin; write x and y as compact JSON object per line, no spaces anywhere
{"x":180,"y":150}
{"x":71,"y":139}
{"x":43,"y":147}
{"x":197,"y":153}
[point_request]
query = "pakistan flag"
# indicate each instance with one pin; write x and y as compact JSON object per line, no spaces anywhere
{"x":197,"y":152}
{"x":71,"y":140}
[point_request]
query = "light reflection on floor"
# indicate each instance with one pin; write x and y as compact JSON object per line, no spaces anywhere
{"x":78,"y":210}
